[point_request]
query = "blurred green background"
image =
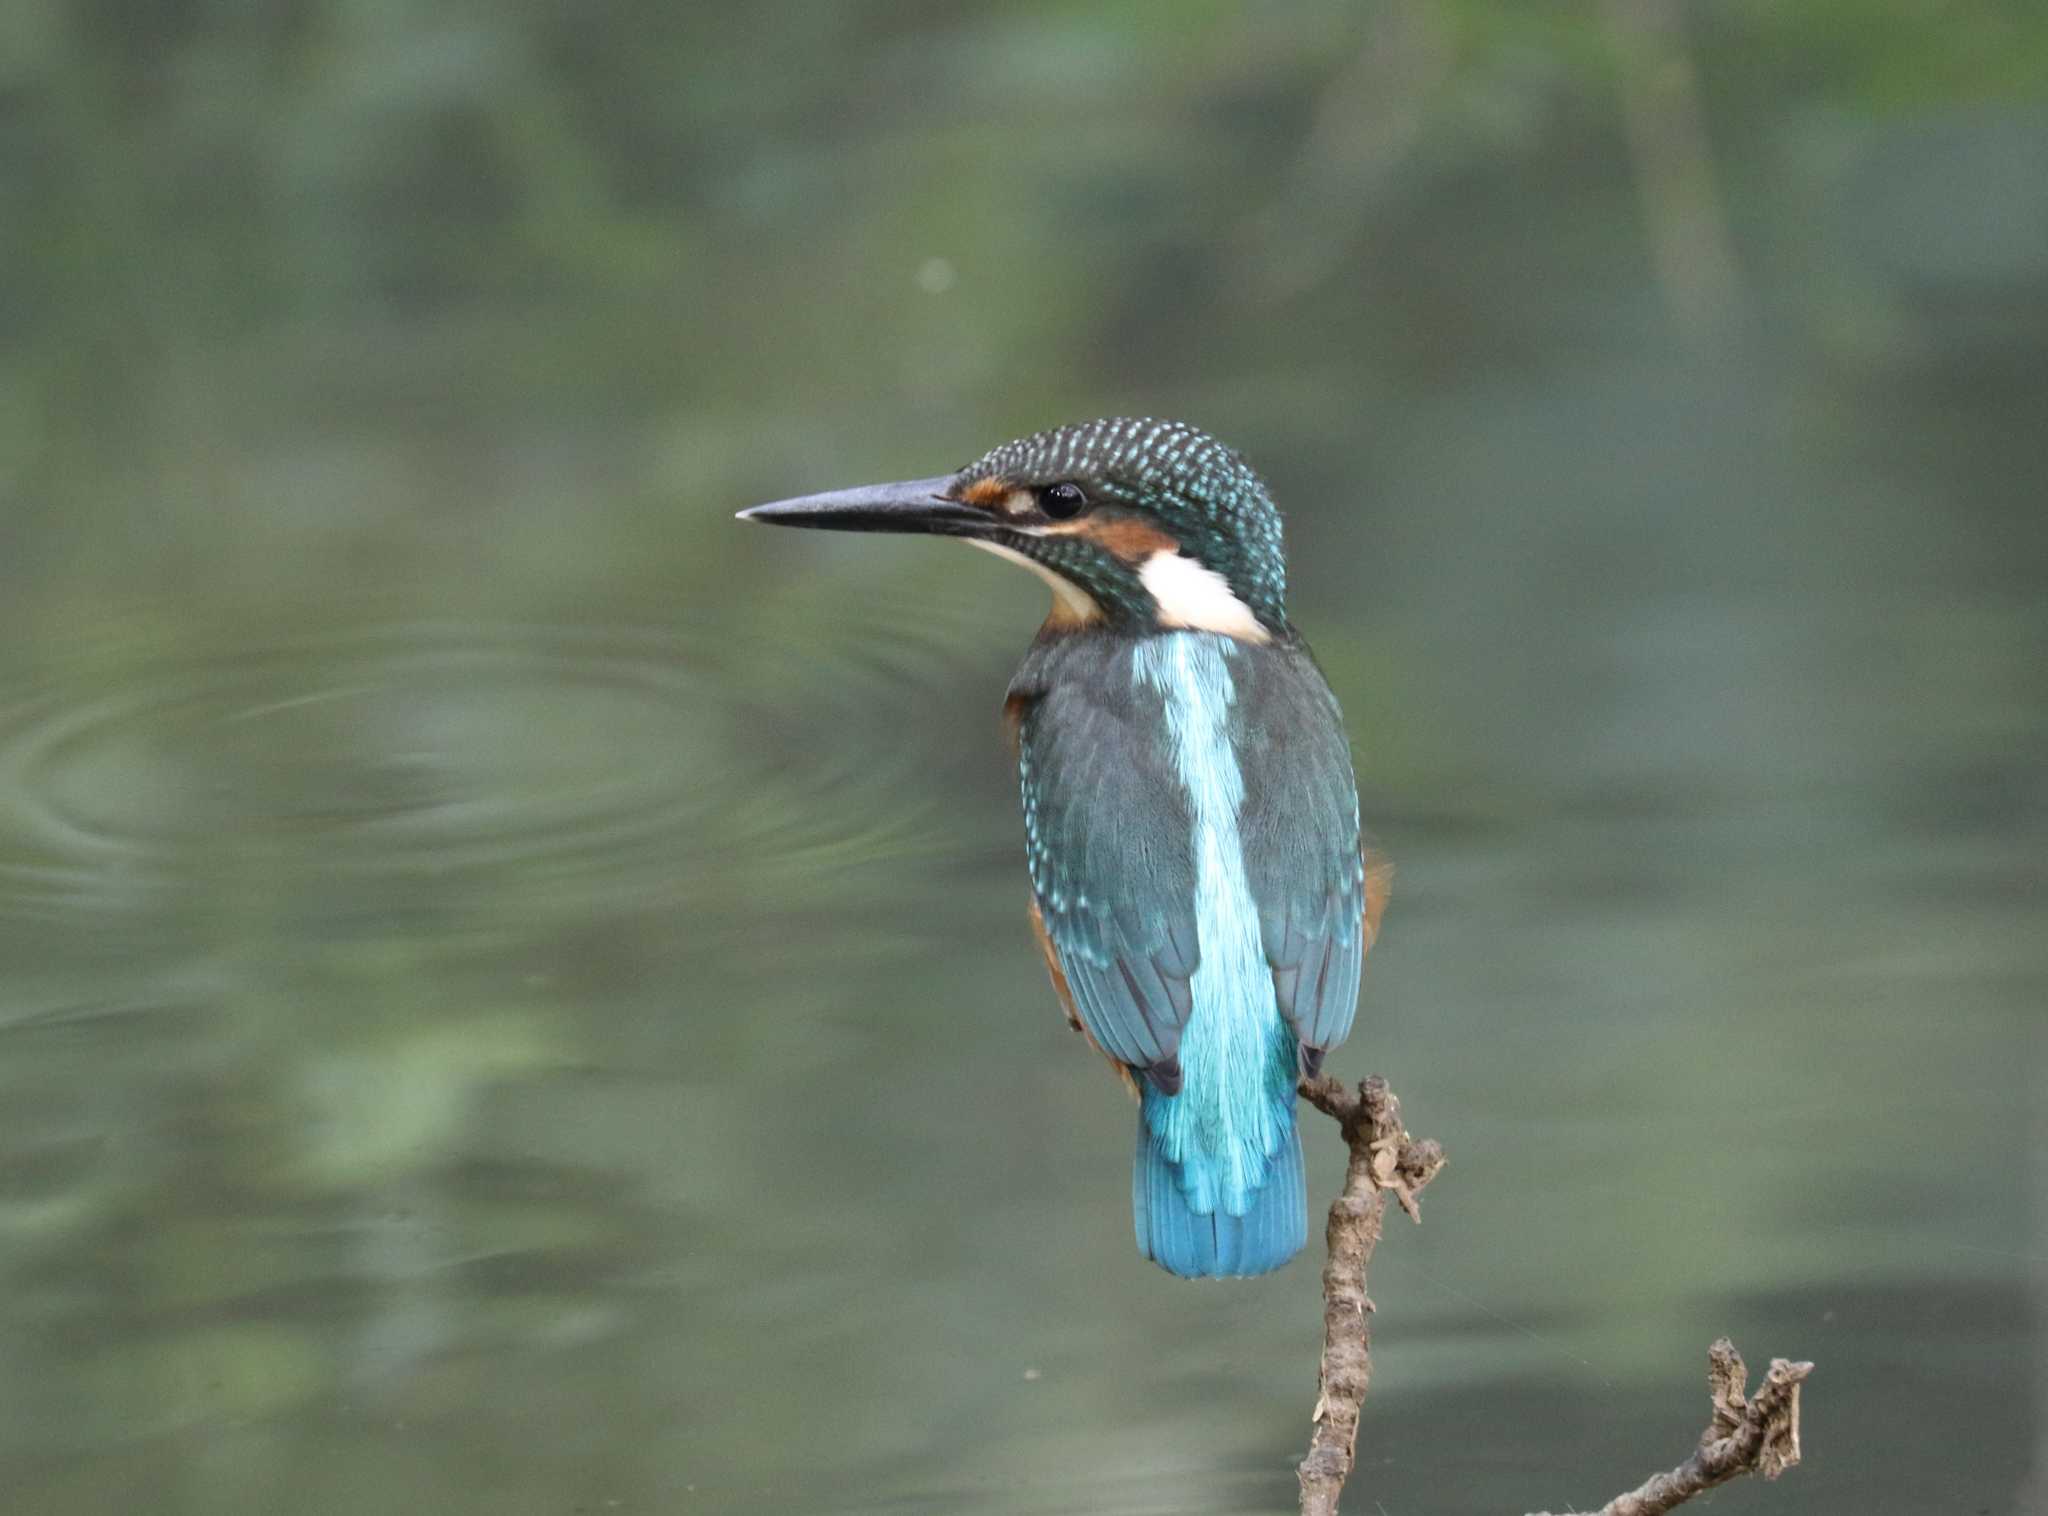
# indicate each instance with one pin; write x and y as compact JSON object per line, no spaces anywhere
{"x":514,"y":994}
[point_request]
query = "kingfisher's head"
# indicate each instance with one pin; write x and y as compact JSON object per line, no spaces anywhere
{"x":1138,"y":525}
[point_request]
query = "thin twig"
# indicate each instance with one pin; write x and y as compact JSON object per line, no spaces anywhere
{"x":1747,"y":1435}
{"x":1384,"y":1160}
{"x":1758,"y":1435}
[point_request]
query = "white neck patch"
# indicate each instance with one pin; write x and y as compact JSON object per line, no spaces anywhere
{"x":1193,"y":596}
{"x":1068,"y":596}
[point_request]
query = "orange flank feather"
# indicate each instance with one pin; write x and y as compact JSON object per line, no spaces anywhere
{"x":1066,"y":994}
{"x":1379,"y":885}
{"x":1014,"y":707}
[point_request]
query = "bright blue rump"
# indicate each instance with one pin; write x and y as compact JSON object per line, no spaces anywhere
{"x":1218,"y":1245}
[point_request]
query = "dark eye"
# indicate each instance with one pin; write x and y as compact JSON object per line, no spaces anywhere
{"x":1062,"y":501}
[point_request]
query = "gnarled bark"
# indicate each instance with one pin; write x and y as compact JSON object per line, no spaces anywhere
{"x":1747,"y":1434}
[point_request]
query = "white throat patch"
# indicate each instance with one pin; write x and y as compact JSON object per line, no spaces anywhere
{"x":1193,"y":596}
{"x":1076,"y":603}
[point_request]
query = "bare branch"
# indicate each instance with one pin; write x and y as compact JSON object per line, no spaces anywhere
{"x":1384,"y":1160}
{"x":1746,"y":1435}
{"x":1757,"y":1435}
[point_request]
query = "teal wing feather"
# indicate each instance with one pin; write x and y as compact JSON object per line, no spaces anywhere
{"x":1108,"y":841}
{"x":1318,"y":897}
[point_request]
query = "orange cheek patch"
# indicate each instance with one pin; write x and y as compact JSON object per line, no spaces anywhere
{"x":1127,"y":537}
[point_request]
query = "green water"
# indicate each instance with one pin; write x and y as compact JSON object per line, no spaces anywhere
{"x":514,"y":992}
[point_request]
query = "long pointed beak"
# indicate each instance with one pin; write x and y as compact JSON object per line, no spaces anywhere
{"x":915,"y":505}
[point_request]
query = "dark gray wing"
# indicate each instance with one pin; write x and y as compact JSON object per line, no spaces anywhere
{"x":1318,"y":892}
{"x":1108,"y":841}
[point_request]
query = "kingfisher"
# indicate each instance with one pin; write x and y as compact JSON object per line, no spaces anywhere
{"x":1200,"y":889}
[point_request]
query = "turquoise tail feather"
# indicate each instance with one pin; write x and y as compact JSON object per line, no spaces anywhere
{"x":1218,"y":1245}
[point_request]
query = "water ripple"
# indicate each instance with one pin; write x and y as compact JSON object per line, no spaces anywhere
{"x":562,"y":756}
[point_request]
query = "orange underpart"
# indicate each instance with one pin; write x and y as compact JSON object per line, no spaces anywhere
{"x":1379,"y":886}
{"x":1014,"y":708}
{"x":1066,"y":994}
